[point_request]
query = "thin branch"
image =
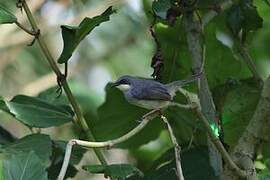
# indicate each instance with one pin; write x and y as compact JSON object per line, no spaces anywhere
{"x":177,"y":150}
{"x":108,"y":144}
{"x":215,"y":140}
{"x":249,"y":61}
{"x":220,"y":146}
{"x":25,"y":29}
{"x":80,"y":119}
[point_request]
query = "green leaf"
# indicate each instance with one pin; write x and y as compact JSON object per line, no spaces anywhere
{"x":38,"y":143}
{"x":38,"y":113}
{"x":195,"y":164}
{"x":119,"y":171}
{"x":160,"y":7}
{"x":239,"y":105}
{"x":118,"y":117}
{"x":243,"y":16}
{"x":73,"y":35}
{"x":1,"y":170}
{"x":6,"y":17}
{"x":24,"y":166}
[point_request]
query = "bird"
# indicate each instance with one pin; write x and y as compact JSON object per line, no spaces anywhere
{"x":149,"y":93}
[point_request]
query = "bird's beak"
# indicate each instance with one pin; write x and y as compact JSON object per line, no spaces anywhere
{"x":114,"y":84}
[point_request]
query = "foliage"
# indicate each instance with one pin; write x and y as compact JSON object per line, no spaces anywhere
{"x":40,"y":156}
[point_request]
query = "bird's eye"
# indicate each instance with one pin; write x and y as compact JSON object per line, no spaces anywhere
{"x":123,"y":81}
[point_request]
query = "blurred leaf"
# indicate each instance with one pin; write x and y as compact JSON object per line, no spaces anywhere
{"x":194,"y":162}
{"x":24,"y":166}
{"x":73,"y":35}
{"x":40,"y":144}
{"x":38,"y":113}
{"x":119,"y":171}
{"x":160,"y":7}
{"x":117,"y":117}
{"x":243,"y":16}
{"x":6,"y":16}
{"x":239,"y":106}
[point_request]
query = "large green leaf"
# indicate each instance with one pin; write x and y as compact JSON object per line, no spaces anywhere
{"x":119,"y":171}
{"x":24,"y":166}
{"x":38,"y":113}
{"x":239,"y":105}
{"x":38,"y":143}
{"x":6,"y":16}
{"x":117,"y":117}
{"x":73,"y":35}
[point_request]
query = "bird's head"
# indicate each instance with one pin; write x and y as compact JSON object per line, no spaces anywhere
{"x":123,"y":83}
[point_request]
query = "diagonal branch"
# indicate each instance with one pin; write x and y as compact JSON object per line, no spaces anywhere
{"x":80,"y":119}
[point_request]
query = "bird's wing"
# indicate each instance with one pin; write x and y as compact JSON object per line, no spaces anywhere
{"x":151,"y":92}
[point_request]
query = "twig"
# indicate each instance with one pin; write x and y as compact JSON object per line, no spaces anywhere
{"x":25,"y":29}
{"x":177,"y":150}
{"x":146,"y":118}
{"x":249,"y":61}
{"x":220,"y":146}
{"x":80,"y":119}
{"x":215,"y":140}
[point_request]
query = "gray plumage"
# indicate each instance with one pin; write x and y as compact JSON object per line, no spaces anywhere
{"x":148,"y":93}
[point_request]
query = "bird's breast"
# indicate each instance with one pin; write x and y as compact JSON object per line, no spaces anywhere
{"x":147,"y":104}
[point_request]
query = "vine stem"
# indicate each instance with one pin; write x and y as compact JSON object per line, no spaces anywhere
{"x":80,"y":119}
{"x":108,"y":144}
{"x":25,"y":29}
{"x":177,"y":150}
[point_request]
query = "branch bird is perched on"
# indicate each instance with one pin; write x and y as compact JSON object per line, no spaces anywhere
{"x":148,"y":93}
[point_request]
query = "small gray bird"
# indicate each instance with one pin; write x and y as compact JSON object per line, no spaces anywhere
{"x":148,"y":93}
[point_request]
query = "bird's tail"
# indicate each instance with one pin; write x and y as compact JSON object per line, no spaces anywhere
{"x":173,"y":86}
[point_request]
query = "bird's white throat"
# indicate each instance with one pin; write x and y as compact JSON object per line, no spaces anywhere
{"x":123,"y":87}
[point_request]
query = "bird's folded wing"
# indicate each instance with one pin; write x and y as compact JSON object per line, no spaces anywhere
{"x":153,"y":92}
